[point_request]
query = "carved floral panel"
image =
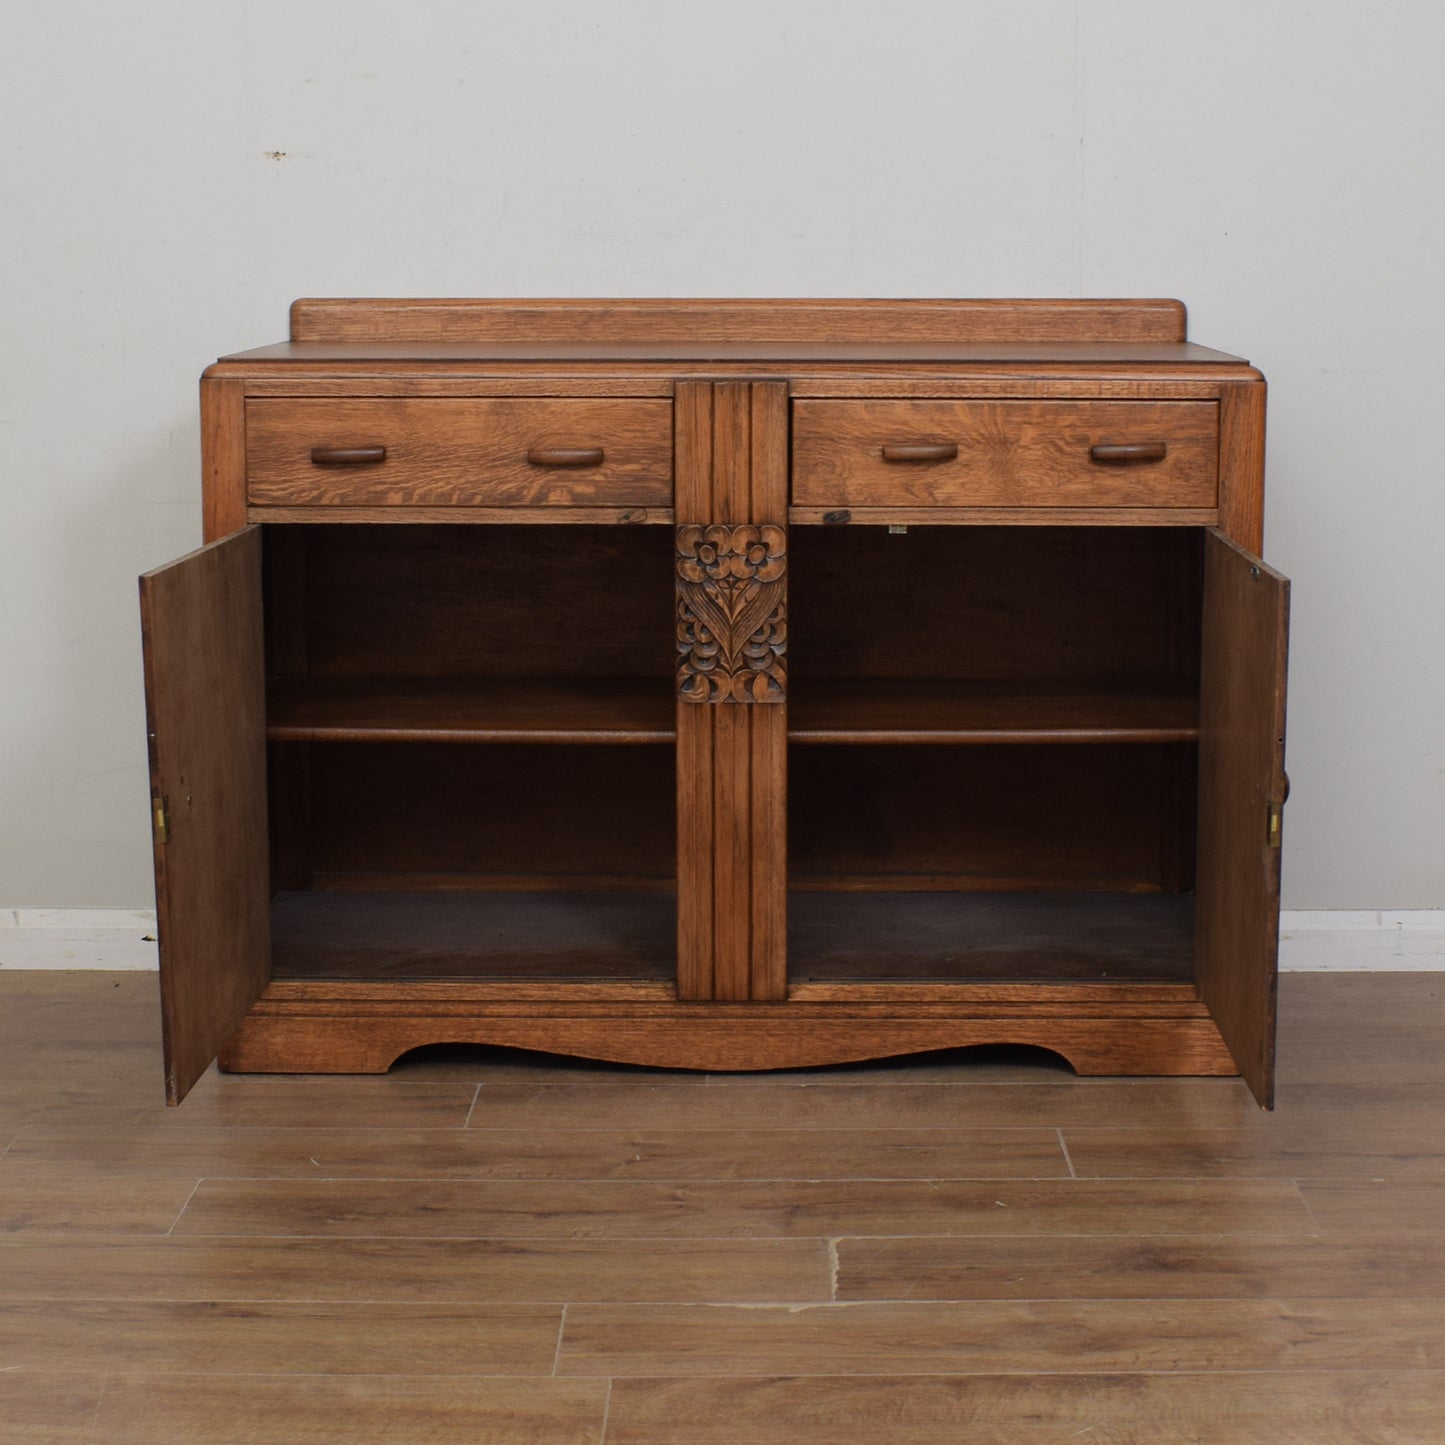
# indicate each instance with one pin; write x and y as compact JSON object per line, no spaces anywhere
{"x":732,"y":631}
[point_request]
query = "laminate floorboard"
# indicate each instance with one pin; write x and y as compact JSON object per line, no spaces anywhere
{"x":249,"y":1338}
{"x":1139,"y":1266}
{"x":319,"y":1410}
{"x":43,"y":1408}
{"x":988,"y":1337}
{"x":573,"y":1209}
{"x":441,"y":1271}
{"x":783,"y":1103}
{"x":494,"y":1246}
{"x":1273,"y":1408}
{"x":601,"y":1154}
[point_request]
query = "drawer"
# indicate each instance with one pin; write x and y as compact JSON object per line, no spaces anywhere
{"x":458,"y":452}
{"x":1005,"y":453}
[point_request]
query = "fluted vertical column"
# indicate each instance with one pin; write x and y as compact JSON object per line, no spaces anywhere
{"x":732,"y":716}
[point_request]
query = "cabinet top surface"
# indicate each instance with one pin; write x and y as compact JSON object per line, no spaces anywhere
{"x":728,"y":352}
{"x":769,"y":334}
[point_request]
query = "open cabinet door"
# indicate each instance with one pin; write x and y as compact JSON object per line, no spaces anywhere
{"x":205,"y":715}
{"x":1241,"y":795}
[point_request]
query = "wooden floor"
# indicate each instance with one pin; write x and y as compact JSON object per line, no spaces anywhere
{"x":511,"y":1249}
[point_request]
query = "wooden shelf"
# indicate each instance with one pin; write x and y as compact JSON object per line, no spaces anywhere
{"x":834,"y":710}
{"x":501,"y":710}
{"x":912,"y":710}
{"x":617,"y":934}
{"x":965,"y":937}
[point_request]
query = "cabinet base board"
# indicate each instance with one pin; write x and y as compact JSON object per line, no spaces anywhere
{"x":327,"y":1038}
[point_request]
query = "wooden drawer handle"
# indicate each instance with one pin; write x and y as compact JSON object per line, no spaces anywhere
{"x":1121,"y":454}
{"x":565,"y":456}
{"x":347,"y":456}
{"x":920,"y":451}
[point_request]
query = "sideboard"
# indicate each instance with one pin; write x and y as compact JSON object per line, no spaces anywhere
{"x":722,"y":685}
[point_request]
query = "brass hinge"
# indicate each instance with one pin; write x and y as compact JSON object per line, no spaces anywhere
{"x":1276,"y":817}
{"x":161,"y":819}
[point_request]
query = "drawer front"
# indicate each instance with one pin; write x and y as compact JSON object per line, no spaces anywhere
{"x":472,"y":451}
{"x":1005,"y":453}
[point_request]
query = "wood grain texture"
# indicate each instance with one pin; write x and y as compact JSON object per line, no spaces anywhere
{"x":483,"y":710}
{"x":437,"y":603}
{"x":1241,"y":463}
{"x":1347,"y":1207}
{"x":1143,"y":1309}
{"x":1304,"y":1407}
{"x":1241,"y":779}
{"x":1004,"y":453}
{"x":44,"y":1408}
{"x":1386,"y":1136}
{"x":402,"y":1271}
{"x":558,"y":1153}
{"x":564,"y":1209}
{"x":1092,"y":607}
{"x":71,"y":1203}
{"x":398,"y":1409}
{"x":984,"y":1337}
{"x":841,"y":320}
{"x":732,"y":753}
{"x":223,"y":456}
{"x":459,"y":453}
{"x":308,"y":1037}
{"x":796,"y":1101}
{"x":175,"y":1337}
{"x":1175,"y":1267}
{"x":955,"y":710}
{"x":1021,"y":818}
{"x":201,"y":625}
{"x":424,"y":817}
{"x":1030,"y":516}
{"x":546,"y":516}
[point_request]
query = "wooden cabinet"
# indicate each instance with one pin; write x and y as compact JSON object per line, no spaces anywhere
{"x":723,"y":685}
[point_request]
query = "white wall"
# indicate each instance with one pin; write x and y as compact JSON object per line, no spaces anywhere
{"x":174,"y":172}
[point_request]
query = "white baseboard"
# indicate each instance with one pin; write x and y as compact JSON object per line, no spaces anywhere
{"x":77,"y":938}
{"x":1311,"y":940}
{"x":1354,"y":940}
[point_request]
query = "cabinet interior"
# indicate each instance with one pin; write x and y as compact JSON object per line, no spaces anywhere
{"x":469,"y":744}
{"x":992,"y":753}
{"x":993,"y":756}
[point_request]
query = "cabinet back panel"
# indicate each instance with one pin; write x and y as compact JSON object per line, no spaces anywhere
{"x":1017,"y":817}
{"x":461,"y":601}
{"x":994,"y":602}
{"x":433,"y":815}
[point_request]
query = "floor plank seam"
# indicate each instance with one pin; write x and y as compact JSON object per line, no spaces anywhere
{"x":181,"y":1211}
{"x":1319,"y":1229}
{"x":606,"y":1413}
{"x":561,"y":1331}
{"x":93,"y":1432}
{"x":984,"y":1236}
{"x":1068,"y":1158}
{"x":44,"y":1171}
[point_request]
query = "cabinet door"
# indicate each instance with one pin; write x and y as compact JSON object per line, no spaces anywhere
{"x":205,"y":715}
{"x":1241,"y":795}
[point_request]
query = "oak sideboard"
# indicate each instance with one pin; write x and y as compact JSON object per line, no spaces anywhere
{"x":722,"y":685}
